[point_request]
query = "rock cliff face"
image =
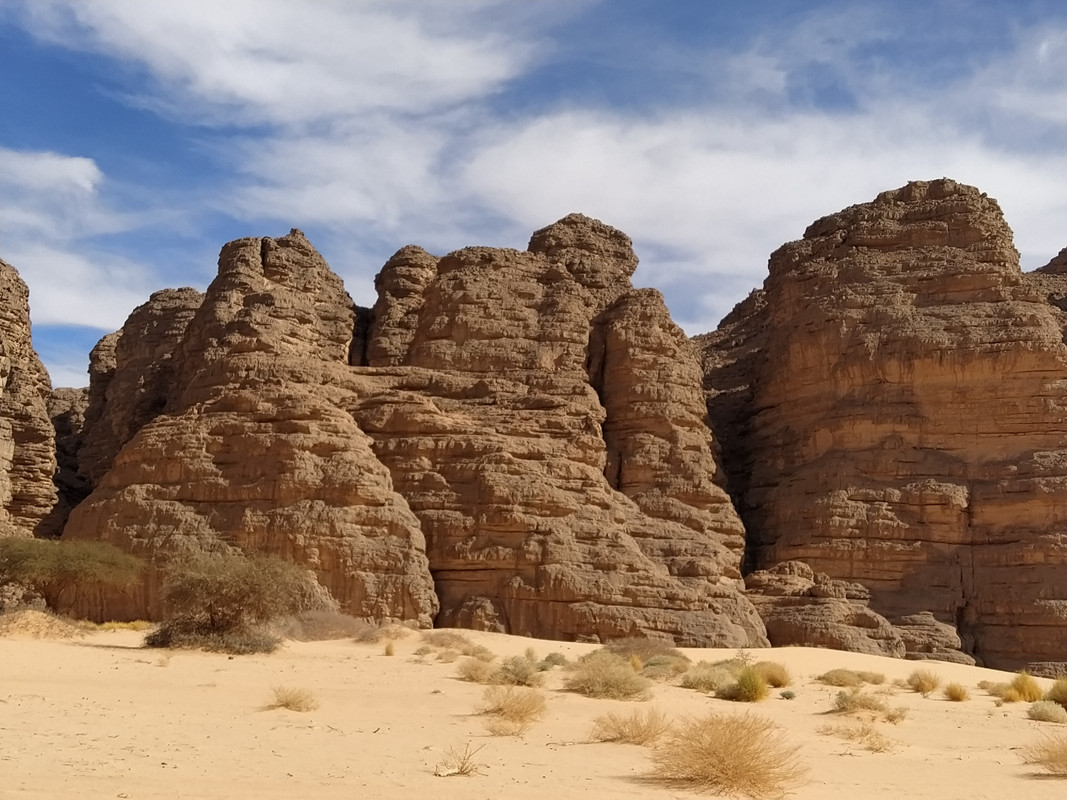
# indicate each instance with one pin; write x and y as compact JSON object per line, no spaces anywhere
{"x":512,"y":441}
{"x":27,"y":440}
{"x":896,"y":397}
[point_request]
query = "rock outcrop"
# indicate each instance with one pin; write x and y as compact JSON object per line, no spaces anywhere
{"x":896,"y":397}
{"x":27,"y":440}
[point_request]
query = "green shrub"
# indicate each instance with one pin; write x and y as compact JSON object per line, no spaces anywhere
{"x":222,"y":601}
{"x":60,"y":569}
{"x":749,"y":687}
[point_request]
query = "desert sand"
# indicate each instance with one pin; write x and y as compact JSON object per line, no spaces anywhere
{"x":98,"y":716}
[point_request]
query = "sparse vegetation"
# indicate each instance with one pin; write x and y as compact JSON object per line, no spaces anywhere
{"x":1049,"y":753}
{"x":706,"y":677}
{"x":606,"y":675}
{"x":61,"y":571}
{"x":389,"y":649}
{"x":457,"y":762}
{"x":321,"y":625}
{"x":749,"y":687}
{"x":1028,"y":689}
{"x":476,"y":671}
{"x":292,"y":699}
{"x":775,"y":674}
{"x":637,"y":727}
{"x":511,"y":710}
{"x":728,"y":754}
{"x":923,"y":681}
{"x":847,"y":678}
{"x":855,"y":700}
{"x":956,"y":693}
{"x":1057,"y":693}
{"x":863,"y":733}
{"x":1047,"y":711}
{"x":222,"y":601}
{"x":453,"y":640}
{"x":787,"y":695}
{"x":519,"y":671}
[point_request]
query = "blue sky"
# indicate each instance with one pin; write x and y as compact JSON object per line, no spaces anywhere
{"x":137,"y":137}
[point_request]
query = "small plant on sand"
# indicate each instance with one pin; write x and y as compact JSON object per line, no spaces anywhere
{"x":520,"y":671}
{"x":456,"y":762}
{"x":848,"y":678}
{"x":923,"y":681}
{"x":606,"y":675}
{"x":788,"y":694}
{"x":729,"y":755}
{"x":854,"y":701}
{"x":1029,"y":690}
{"x":1047,"y":711}
{"x":511,"y":710}
{"x":476,"y":671}
{"x":775,"y":674}
{"x":956,"y":693}
{"x":223,"y":601}
{"x":653,"y":658}
{"x":863,"y":733}
{"x":1049,"y":753}
{"x":552,"y":660}
{"x":389,"y":649}
{"x":1057,"y":693}
{"x":637,"y":727}
{"x":749,"y":687}
{"x":705,"y":677}
{"x":292,"y":699}
{"x":454,"y":640}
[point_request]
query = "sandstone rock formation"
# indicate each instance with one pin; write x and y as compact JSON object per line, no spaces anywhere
{"x":524,"y":425}
{"x":27,"y":441}
{"x":896,"y":401}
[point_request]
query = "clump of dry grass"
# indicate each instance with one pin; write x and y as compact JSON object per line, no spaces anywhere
{"x":847,"y":678}
{"x":453,"y":640}
{"x":476,"y":671}
{"x":293,"y":699}
{"x":132,"y":625}
{"x":637,"y":727}
{"x":749,"y":687}
{"x":895,"y":715}
{"x":606,"y":675}
{"x":390,"y":648}
{"x":775,"y":674}
{"x":459,"y":762}
{"x":511,"y":710}
{"x":863,"y":733}
{"x":855,"y":700}
{"x":1047,"y":711}
{"x":1049,"y":753}
{"x":1057,"y":693}
{"x":1029,"y":690}
{"x":665,"y":668}
{"x":522,"y":670}
{"x":956,"y":693}
{"x":706,"y":677}
{"x":923,"y":681}
{"x":728,"y":754}
{"x":645,"y":649}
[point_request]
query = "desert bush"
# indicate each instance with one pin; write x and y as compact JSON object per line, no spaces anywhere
{"x":706,"y":677}
{"x":322,"y":625}
{"x":854,"y":700}
{"x":552,"y":660}
{"x":223,"y":601}
{"x":60,"y":570}
{"x":519,"y":671}
{"x":863,"y":733}
{"x":895,"y":715}
{"x":459,"y":762}
{"x":1029,"y":690}
{"x":956,"y":692}
{"x":923,"y":681}
{"x":728,"y":754}
{"x":476,"y":671}
{"x":775,"y":674}
{"x":644,"y":649}
{"x":390,"y":648}
{"x":637,"y":727}
{"x":292,"y":699}
{"x":605,"y":675}
{"x":664,"y":668}
{"x":1057,"y":693}
{"x":749,"y":687}
{"x":1049,"y":753}
{"x":787,"y":695}
{"x":848,"y":678}
{"x":1047,"y":711}
{"x":453,"y":640}
{"x":511,"y":709}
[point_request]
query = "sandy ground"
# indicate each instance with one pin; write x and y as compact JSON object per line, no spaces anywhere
{"x":100,"y":717}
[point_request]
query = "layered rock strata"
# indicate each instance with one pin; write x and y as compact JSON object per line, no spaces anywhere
{"x":897,"y":397}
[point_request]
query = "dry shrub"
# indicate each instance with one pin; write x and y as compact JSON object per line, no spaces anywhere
{"x":476,"y":671}
{"x":1049,"y":753}
{"x":553,"y":660}
{"x":644,"y":649}
{"x":847,"y":678}
{"x":749,"y":687}
{"x":895,"y":715}
{"x":863,"y":733}
{"x":775,"y":674}
{"x":956,"y":692}
{"x":321,"y":625}
{"x":292,"y":699}
{"x":1057,"y":693}
{"x":511,"y":709}
{"x":664,"y":668}
{"x":637,"y":727}
{"x":132,"y":625}
{"x":389,"y":649}
{"x":519,"y":671}
{"x":1047,"y":711}
{"x":1028,"y":689}
{"x":923,"y":681}
{"x":853,"y":701}
{"x":447,"y":656}
{"x":605,"y":675}
{"x":728,"y":754}
{"x":706,"y":677}
{"x":459,"y":762}
{"x":454,"y":640}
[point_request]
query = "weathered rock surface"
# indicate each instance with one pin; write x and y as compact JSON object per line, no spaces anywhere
{"x":27,"y":440}
{"x":897,"y":401}
{"x":66,"y":408}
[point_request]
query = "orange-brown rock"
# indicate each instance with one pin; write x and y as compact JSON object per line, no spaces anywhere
{"x":27,"y":439}
{"x":897,"y":397}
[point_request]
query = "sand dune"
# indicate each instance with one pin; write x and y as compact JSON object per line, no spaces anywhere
{"x":100,"y":717}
